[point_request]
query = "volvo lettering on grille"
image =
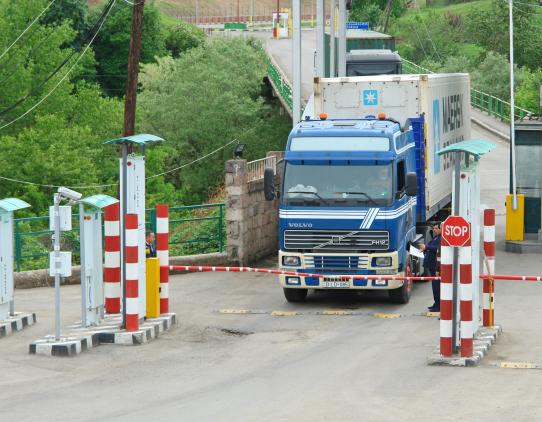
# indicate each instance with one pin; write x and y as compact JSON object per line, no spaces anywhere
{"x":338,"y":240}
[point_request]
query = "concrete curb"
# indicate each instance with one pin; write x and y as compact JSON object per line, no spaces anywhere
{"x":494,"y":131}
{"x":18,"y":322}
{"x":80,"y":339}
{"x":483,"y":340}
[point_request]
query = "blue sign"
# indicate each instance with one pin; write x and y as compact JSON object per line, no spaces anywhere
{"x":370,"y":97}
{"x":357,"y":25}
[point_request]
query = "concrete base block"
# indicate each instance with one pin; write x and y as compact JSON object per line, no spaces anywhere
{"x":483,"y":340}
{"x":15,"y":323}
{"x":79,"y":339}
{"x":523,"y":246}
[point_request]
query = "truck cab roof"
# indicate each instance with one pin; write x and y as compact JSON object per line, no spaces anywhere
{"x":345,"y":127}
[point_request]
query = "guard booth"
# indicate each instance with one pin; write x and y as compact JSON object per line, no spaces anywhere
{"x":529,"y":174}
{"x":90,"y":225}
{"x":7,"y":207}
{"x":281,"y":24}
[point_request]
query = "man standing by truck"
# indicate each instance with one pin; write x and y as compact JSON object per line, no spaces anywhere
{"x":431,"y":263}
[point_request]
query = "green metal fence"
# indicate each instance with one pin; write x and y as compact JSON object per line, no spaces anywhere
{"x":192,"y":229}
{"x":280,"y":82}
{"x":490,"y":104}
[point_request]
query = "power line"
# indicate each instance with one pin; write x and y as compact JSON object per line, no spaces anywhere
{"x":420,"y":41}
{"x":27,"y":28}
{"x":429,"y":36}
{"x":99,"y":23}
{"x":65,"y":75}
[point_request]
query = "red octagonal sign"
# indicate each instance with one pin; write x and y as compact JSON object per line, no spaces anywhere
{"x":456,"y":230}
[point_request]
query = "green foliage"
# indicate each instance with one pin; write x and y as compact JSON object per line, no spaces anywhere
{"x":528,"y":92}
{"x":201,"y":101}
{"x":74,"y":10}
{"x":113,"y":41}
{"x":367,"y":12}
{"x":183,"y":37}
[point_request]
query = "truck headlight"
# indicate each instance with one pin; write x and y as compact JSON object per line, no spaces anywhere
{"x":291,"y":261}
{"x":382,"y":261}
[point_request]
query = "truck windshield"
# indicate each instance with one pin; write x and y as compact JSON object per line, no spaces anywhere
{"x":338,"y":185}
{"x":368,"y":69}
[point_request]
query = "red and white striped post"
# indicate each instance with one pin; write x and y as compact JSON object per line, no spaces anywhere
{"x":446,"y":297}
{"x":112,"y":259}
{"x":162,"y":253}
{"x":132,"y":292}
{"x":465,"y":292}
{"x":489,"y":285}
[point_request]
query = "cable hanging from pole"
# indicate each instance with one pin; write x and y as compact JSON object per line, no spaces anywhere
{"x":89,"y":39}
{"x":27,"y":28}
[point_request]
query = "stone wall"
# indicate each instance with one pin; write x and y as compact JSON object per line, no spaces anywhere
{"x":252,"y":222}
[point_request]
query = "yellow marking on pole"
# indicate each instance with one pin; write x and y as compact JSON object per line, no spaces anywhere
{"x":336,"y":312}
{"x":284,"y":313}
{"x":153,"y":287}
{"x":386,"y":316}
{"x":432,"y":314}
{"x":519,"y":365}
{"x":234,"y":311}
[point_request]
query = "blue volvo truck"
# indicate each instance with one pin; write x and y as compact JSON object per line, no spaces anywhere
{"x":360,"y":184}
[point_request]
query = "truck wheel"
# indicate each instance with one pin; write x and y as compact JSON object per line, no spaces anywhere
{"x":295,"y":295}
{"x":402,"y":294}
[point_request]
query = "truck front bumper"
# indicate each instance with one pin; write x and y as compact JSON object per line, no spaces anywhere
{"x":343,"y":279}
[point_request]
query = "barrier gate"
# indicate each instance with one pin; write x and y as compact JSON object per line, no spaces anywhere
{"x":92,"y":290}
{"x":7,"y":207}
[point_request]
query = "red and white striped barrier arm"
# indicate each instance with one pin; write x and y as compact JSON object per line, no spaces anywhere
{"x":446,"y":297}
{"x":112,"y":259}
{"x":194,"y":268}
{"x":162,"y":252}
{"x":512,"y":277}
{"x":465,"y":291}
{"x":488,"y":283}
{"x":132,"y":291}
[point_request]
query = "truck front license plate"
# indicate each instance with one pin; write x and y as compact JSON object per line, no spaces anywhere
{"x":336,"y":284}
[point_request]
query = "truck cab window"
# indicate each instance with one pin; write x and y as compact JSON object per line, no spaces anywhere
{"x":401,"y":183}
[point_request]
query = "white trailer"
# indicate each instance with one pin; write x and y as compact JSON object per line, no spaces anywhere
{"x":444,"y":99}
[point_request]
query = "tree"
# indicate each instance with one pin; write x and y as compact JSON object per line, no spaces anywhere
{"x":74,"y":10}
{"x":199,"y":102}
{"x":183,"y":37}
{"x":113,"y":41}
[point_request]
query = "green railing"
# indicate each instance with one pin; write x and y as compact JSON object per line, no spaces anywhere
{"x":192,"y":229}
{"x":488,"y":103}
{"x":280,"y":82}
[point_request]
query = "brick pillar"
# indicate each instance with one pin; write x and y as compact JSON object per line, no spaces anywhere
{"x":237,"y":196}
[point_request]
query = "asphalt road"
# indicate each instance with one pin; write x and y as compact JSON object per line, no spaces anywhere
{"x":258,"y":366}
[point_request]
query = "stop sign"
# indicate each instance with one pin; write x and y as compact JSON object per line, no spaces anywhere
{"x":456,"y":230}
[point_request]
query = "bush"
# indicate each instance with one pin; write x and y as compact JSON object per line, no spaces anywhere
{"x":183,"y":37}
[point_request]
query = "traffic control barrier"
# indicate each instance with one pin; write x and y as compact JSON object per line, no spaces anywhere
{"x":465,"y":290}
{"x":153,"y":287}
{"x":489,"y":261}
{"x":132,"y":269}
{"x":112,"y":290}
{"x":162,"y":253}
{"x":446,"y":297}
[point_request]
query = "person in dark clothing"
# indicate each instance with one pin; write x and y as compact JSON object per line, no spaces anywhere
{"x":150,"y":247}
{"x":431,"y":264}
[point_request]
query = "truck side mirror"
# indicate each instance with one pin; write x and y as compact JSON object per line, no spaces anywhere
{"x":411,"y":184}
{"x":269,"y":184}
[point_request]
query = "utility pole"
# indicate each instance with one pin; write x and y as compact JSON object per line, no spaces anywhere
{"x":332,"y":40}
{"x":296,"y":61}
{"x":512,"y":112}
{"x":388,"y":13}
{"x":342,"y":38}
{"x":133,"y":68}
{"x":320,"y":24}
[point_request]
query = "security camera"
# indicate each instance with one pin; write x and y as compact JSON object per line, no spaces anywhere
{"x":69,"y":194}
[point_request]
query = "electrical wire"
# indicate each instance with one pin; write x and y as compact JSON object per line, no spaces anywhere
{"x":420,"y":41}
{"x":27,"y":28}
{"x":134,"y":4}
{"x":98,"y":25}
{"x":429,"y":36}
{"x":43,"y":185}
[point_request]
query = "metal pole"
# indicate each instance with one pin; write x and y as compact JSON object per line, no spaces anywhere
{"x":455,"y":267}
{"x":252,"y":14}
{"x":296,"y":59}
{"x":320,"y":22}
{"x":83,"y":265}
{"x":332,"y":40}
{"x":56,"y":248}
{"x":512,"y":110}
{"x":123,"y":212}
{"x":342,"y":38}
{"x":197,"y":11}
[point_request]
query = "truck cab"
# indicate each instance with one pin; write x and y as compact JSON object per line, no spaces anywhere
{"x":373,"y":62}
{"x":348,"y":205}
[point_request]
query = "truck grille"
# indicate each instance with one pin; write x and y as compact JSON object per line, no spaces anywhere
{"x":336,"y":240}
{"x":336,"y":262}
